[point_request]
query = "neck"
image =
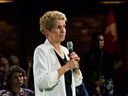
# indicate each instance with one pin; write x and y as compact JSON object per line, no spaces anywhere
{"x":17,"y":90}
{"x":56,"y":45}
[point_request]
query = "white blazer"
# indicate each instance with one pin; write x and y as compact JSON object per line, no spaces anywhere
{"x":45,"y":66}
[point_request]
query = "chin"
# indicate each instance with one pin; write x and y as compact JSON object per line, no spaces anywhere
{"x":100,"y":47}
{"x":20,"y":84}
{"x":62,"y":40}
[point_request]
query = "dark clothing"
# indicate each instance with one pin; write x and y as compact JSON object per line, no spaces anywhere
{"x":106,"y":66}
{"x":2,"y":87}
{"x":68,"y":75}
{"x":98,"y":64}
{"x":31,"y":80}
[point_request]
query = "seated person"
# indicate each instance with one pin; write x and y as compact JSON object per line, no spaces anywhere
{"x":13,"y":60}
{"x":4,"y":67}
{"x":14,"y":83}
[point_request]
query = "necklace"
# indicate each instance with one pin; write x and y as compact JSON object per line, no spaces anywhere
{"x":62,"y":54}
{"x":97,"y":74}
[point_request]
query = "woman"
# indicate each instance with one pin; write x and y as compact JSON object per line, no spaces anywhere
{"x":99,"y":68}
{"x":53,"y":74}
{"x":15,"y":79}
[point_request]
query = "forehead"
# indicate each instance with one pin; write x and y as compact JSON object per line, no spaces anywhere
{"x":60,"y":22}
{"x":3,"y":60}
{"x":15,"y":73}
{"x":99,"y":37}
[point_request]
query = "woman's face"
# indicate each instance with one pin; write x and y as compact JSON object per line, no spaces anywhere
{"x":58,"y":32}
{"x":16,"y":79}
{"x":99,"y":42}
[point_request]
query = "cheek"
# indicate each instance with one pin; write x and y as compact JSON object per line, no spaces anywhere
{"x":22,"y":79}
{"x":13,"y":82}
{"x":103,"y":42}
{"x":96,"y":43}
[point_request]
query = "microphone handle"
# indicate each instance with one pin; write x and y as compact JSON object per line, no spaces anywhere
{"x":70,"y":51}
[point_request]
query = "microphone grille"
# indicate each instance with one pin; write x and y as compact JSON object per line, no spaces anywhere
{"x":70,"y":45}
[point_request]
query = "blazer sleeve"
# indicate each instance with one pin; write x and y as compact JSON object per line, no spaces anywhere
{"x":78,"y":78}
{"x":44,"y":78}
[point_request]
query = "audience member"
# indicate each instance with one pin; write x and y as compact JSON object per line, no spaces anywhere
{"x":13,"y":60}
{"x":29,"y":71}
{"x":4,"y":63}
{"x":14,"y":83}
{"x":28,"y":64}
{"x":4,"y":67}
{"x":99,"y":68}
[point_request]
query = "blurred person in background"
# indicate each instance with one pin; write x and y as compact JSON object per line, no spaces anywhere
{"x":29,"y":70}
{"x":99,"y":68}
{"x":14,"y":83}
{"x":4,"y":67}
{"x":13,"y":60}
{"x":4,"y":63}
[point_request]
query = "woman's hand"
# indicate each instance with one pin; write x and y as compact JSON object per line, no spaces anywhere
{"x":97,"y":90}
{"x":74,"y":56}
{"x":71,"y":64}
{"x":99,"y":82}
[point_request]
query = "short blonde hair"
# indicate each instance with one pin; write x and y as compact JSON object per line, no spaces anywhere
{"x":49,"y":18}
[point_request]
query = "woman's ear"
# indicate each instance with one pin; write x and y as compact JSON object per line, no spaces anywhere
{"x":46,"y":32}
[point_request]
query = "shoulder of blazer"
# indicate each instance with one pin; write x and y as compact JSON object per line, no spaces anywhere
{"x":45,"y":46}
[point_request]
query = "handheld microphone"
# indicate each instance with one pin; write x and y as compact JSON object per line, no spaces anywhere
{"x":70,"y":48}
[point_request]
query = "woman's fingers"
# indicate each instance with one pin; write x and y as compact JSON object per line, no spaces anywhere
{"x":73,"y":55}
{"x":72,"y":64}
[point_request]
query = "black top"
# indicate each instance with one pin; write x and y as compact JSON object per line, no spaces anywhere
{"x":68,"y":75}
{"x":92,"y":64}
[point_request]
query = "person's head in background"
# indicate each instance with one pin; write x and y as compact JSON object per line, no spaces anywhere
{"x":15,"y":78}
{"x":13,"y":60}
{"x":52,"y":25}
{"x":98,"y":40}
{"x":4,"y":67}
{"x":4,"y":64}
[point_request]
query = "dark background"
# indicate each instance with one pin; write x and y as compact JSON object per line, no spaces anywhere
{"x":19,"y":28}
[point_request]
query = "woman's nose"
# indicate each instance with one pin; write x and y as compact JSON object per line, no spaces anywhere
{"x":63,"y":30}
